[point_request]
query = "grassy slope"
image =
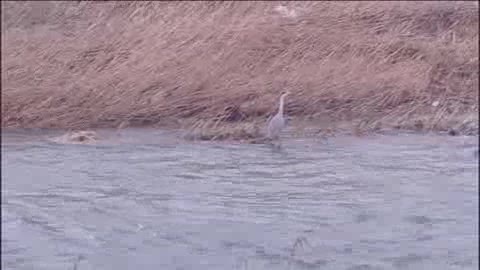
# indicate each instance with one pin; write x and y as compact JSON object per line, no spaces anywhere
{"x":221,"y":66}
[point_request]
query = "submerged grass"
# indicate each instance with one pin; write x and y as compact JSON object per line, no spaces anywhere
{"x":220,"y":66}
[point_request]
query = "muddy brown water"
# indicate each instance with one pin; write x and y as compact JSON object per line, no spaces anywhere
{"x":142,"y":199}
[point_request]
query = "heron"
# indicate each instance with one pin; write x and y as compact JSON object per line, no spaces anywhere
{"x":277,"y":122}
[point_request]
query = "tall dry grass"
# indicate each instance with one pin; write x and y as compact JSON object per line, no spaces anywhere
{"x":109,"y":64}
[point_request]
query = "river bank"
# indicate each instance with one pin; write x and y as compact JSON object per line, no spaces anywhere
{"x":217,"y":69}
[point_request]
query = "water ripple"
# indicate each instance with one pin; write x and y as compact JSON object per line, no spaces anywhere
{"x":141,"y":199}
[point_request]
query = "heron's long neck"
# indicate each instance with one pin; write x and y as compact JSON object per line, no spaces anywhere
{"x":280,"y":107}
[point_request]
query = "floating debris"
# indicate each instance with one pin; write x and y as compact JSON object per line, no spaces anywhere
{"x":79,"y":137}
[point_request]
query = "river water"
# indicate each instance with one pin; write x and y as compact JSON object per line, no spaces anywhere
{"x":141,"y":199}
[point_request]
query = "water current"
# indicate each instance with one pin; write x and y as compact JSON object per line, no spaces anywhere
{"x":142,"y":199}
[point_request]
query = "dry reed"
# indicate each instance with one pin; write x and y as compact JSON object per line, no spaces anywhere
{"x":223,"y":64}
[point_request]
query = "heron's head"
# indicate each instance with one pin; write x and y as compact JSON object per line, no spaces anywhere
{"x":284,"y":93}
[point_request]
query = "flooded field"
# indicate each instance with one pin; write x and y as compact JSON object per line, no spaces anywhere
{"x":142,"y":199}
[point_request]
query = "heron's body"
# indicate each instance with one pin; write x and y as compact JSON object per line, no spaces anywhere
{"x":275,"y":126}
{"x":277,"y":123}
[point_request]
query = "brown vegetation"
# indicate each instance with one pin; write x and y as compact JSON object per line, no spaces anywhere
{"x":373,"y":65}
